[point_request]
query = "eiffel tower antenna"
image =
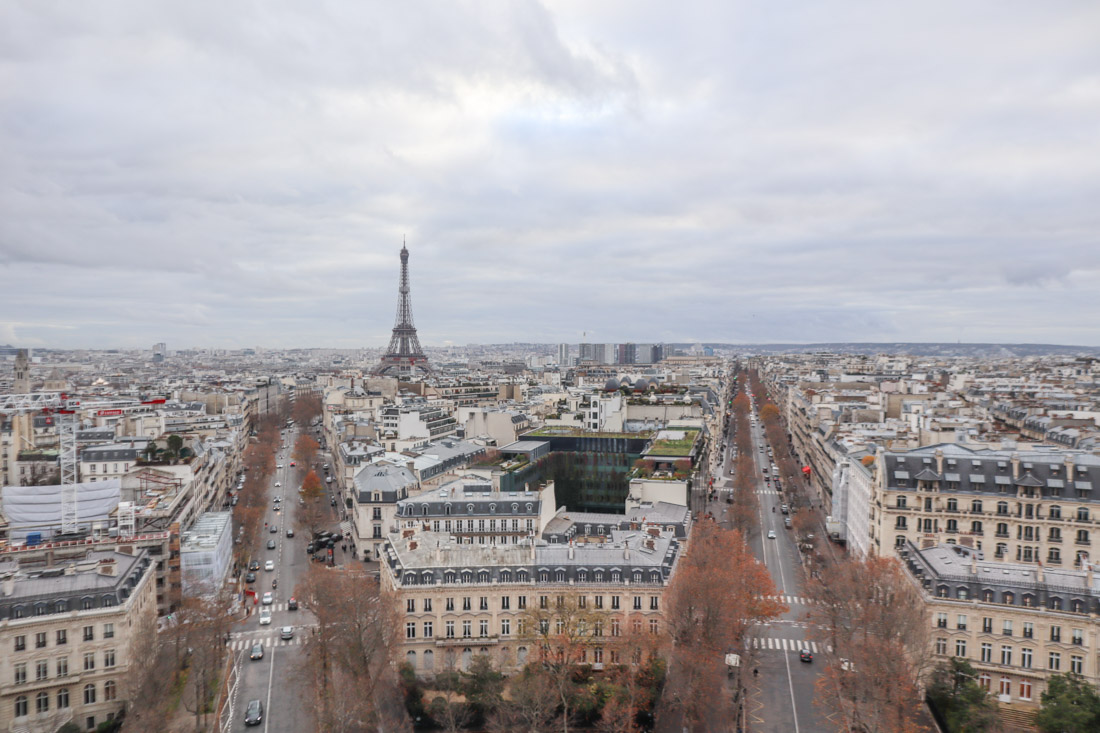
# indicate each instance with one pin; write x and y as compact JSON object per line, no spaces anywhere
{"x":404,"y":353}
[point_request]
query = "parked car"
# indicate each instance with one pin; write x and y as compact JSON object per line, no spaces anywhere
{"x":254,"y":713}
{"x":257,"y":652}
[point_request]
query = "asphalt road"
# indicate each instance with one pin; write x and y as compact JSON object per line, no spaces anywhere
{"x":780,"y":698}
{"x":275,"y":680}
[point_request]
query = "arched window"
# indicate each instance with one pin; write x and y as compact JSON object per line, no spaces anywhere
{"x":447,"y":509}
{"x":21,"y":706}
{"x":429,"y":660}
{"x":467,"y":657}
{"x":483,"y":576}
{"x":1007,"y":598}
{"x":110,"y":691}
{"x":655,"y":576}
{"x":42,"y":702}
{"x":467,"y":576}
{"x":469,"y":508}
{"x":86,"y":603}
{"x":505,"y":576}
{"x":521,"y":576}
{"x":952,"y":505}
{"x":61,"y":607}
{"x":559,"y":576}
{"x":449,"y":576}
{"x":941,"y":591}
{"x":582,"y":576}
{"x":426,"y":577}
{"x":492,"y":508}
{"x":544,"y":576}
{"x":962,"y":592}
{"x":976,"y":506}
{"x":1082,"y":536}
{"x":1055,"y":512}
{"x":637,"y":576}
{"x":89,"y":694}
{"x":530,"y":507}
{"x":616,"y":576}
{"x":1055,"y":603}
{"x":987,"y":595}
{"x":1002,"y":507}
{"x":515,"y":508}
{"x":976,"y":528}
{"x":424,"y":510}
{"x":1077,"y":606}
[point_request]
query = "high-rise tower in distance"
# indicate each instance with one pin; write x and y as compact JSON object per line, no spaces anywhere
{"x":404,"y":354}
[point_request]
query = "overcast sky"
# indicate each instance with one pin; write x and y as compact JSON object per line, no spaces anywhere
{"x":243,"y":173}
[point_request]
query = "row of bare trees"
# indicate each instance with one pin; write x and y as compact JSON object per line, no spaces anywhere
{"x":719,"y":593}
{"x":745,"y":513}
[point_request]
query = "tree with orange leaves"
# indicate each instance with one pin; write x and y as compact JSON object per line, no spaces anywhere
{"x":873,"y":618}
{"x":718,"y":592}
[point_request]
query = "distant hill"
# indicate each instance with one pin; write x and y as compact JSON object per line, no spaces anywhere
{"x":917,"y":349}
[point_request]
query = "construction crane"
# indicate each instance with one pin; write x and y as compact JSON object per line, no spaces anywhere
{"x":56,"y":403}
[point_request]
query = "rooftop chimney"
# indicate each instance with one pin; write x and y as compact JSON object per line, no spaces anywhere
{"x":7,"y":584}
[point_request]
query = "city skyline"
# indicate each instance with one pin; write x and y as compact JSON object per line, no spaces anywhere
{"x":912,"y":174}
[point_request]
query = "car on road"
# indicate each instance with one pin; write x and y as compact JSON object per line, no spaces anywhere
{"x":787,"y":522}
{"x":292,"y":604}
{"x":332,"y":501}
{"x":274,"y":529}
{"x":254,"y":565}
{"x":325,"y":466}
{"x":278,"y":507}
{"x":269,"y":565}
{"x":265,"y":616}
{"x":785,"y":509}
{"x":277,"y":484}
{"x":328,"y":480}
{"x":287,"y":632}
{"x":250,"y":577}
{"x":269,"y":598}
{"x":771,"y":534}
{"x":254,"y":713}
{"x":293,"y":464}
{"x":277,"y":499}
{"x":279,"y":466}
{"x":271,"y":544}
{"x":234,"y":502}
{"x":805,"y":655}
{"x":257,"y":652}
{"x":290,"y":533}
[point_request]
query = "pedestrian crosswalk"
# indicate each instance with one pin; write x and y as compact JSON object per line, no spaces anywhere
{"x":790,"y":645}
{"x":768,"y":492}
{"x":274,"y":607}
{"x":268,"y":642}
{"x":800,"y":600}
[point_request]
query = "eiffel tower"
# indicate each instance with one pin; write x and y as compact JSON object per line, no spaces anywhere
{"x":404,"y":353}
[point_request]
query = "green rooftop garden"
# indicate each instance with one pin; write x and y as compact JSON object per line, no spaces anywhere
{"x":674,"y":447}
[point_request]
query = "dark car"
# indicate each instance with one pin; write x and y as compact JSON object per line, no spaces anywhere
{"x":254,"y":713}
{"x":250,"y":577}
{"x":257,"y":652}
{"x":290,"y":533}
{"x":309,"y":549}
{"x":254,"y":565}
{"x":271,"y":544}
{"x":333,"y":501}
{"x":274,"y":529}
{"x":805,"y":655}
{"x":292,"y":604}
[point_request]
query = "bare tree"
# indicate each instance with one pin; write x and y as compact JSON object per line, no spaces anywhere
{"x":563,"y":633}
{"x":718,"y":592}
{"x":149,"y":678}
{"x":349,"y":654}
{"x":873,"y":617}
{"x":531,"y":706}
